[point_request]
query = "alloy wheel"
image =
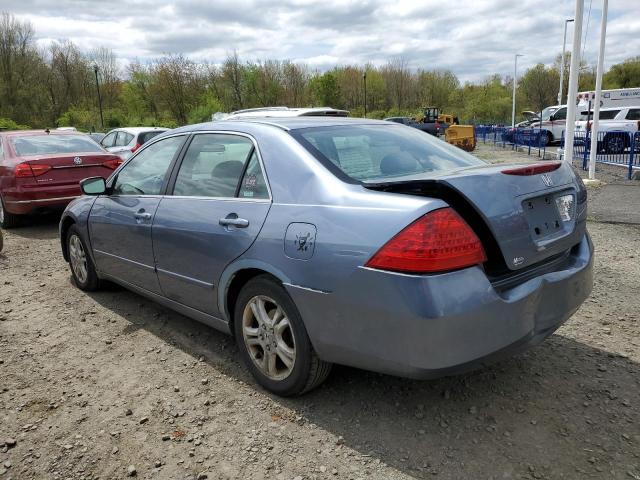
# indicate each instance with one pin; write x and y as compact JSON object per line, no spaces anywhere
{"x":78,"y":258}
{"x":268,"y":336}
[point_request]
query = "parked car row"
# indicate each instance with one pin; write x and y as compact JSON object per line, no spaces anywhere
{"x":41,"y":169}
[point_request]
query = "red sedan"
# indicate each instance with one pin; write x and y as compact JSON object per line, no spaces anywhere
{"x":41,"y":170}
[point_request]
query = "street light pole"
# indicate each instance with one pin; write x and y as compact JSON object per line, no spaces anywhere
{"x":364,"y":79}
{"x":515,"y":76}
{"x":564,"y":44}
{"x":95,"y":70}
{"x":574,"y":71}
{"x":596,"y":107}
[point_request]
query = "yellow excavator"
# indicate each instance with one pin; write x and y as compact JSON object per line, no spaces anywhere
{"x":435,"y":123}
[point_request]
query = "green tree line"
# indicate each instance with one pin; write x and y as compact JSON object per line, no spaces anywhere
{"x":55,"y":86}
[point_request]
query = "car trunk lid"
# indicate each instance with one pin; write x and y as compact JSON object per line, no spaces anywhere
{"x":523,"y":217}
{"x":67,"y":169}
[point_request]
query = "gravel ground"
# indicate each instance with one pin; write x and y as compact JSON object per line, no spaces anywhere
{"x":110,"y":385}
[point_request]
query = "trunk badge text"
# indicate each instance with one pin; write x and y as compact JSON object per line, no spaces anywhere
{"x":546,"y":179}
{"x":77,"y":161}
{"x":518,"y":261}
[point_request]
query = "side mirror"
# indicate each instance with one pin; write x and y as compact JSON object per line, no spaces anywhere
{"x":93,"y":186}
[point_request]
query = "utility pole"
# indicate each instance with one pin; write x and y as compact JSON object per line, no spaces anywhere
{"x":570,"y":123}
{"x":95,"y":70}
{"x":596,"y":106}
{"x":364,"y":79}
{"x":564,"y":44}
{"x":515,"y":76}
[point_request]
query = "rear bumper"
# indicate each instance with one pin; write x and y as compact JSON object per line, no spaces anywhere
{"x":430,"y":326}
{"x":26,"y":200}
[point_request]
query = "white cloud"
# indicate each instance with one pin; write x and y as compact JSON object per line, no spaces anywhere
{"x":473,"y":38}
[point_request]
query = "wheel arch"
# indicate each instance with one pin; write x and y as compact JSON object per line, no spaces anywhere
{"x":236,"y":276}
{"x":65,"y":225}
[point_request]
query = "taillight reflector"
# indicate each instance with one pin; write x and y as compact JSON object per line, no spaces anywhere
{"x":534,"y":169}
{"x":438,"y":241}
{"x":112,"y":164}
{"x":25,"y":170}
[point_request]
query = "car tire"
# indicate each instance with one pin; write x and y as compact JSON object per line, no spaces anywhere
{"x":82,"y":269}
{"x":273,"y":340}
{"x":8,"y":220}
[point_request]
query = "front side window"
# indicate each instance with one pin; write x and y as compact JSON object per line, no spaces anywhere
{"x":123,"y":139}
{"x":560,"y":114}
{"x":608,"y":114}
{"x":372,"y":153}
{"x":213,"y":165}
{"x":54,"y":144}
{"x":145,"y":173}
{"x":107,"y":141}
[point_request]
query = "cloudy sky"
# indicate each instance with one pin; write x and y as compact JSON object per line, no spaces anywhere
{"x":473,"y":38}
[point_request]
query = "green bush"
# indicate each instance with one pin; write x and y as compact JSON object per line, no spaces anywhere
{"x":8,"y":124}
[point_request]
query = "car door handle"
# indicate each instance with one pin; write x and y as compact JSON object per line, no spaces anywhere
{"x":142,"y":215}
{"x":232,"y":220}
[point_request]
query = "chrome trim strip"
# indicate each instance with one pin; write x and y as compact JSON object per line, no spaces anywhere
{"x":309,"y":289}
{"x":124,"y":259}
{"x":224,"y":199}
{"x":184,"y":277}
{"x":40,"y":200}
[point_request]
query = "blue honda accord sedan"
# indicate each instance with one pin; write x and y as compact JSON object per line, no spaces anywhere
{"x":317,"y":241}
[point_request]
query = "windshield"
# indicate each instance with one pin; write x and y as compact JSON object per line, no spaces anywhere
{"x":547,"y":112}
{"x":373,"y":153}
{"x":53,"y":144}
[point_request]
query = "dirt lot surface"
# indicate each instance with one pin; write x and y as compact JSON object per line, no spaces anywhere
{"x":111,"y":385}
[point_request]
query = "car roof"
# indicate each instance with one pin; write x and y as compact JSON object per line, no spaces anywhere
{"x":286,"y":112}
{"x":26,"y":133}
{"x":138,"y":129}
{"x":286,"y":123}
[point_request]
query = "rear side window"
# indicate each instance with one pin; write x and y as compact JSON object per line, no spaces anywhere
{"x":608,"y":114}
{"x":253,"y":184}
{"x":53,"y":144}
{"x":146,"y":136}
{"x":633,"y":114}
{"x":371,"y":153}
{"x":213,"y":165}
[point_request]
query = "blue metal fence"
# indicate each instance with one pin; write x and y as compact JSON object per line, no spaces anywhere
{"x":516,"y":138}
{"x":614,"y":148}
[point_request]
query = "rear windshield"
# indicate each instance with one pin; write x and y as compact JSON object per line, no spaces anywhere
{"x":146,"y":136}
{"x":52,"y":144}
{"x":373,"y":153}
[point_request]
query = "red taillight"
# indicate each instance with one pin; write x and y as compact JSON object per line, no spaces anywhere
{"x":439,"y":241}
{"x":534,"y":169}
{"x":135,"y":148}
{"x":112,"y":164}
{"x":25,"y":170}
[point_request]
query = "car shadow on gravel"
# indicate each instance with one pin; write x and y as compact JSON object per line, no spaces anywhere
{"x":561,"y":409}
{"x":41,"y":227}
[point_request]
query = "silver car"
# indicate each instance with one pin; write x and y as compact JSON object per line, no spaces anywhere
{"x":125,"y":141}
{"x":339,"y":240}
